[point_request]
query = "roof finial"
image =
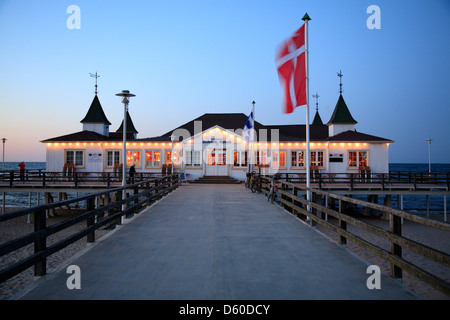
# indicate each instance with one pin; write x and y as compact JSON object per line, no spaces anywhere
{"x":95,"y":76}
{"x":340,"y":81}
{"x":317,"y":100}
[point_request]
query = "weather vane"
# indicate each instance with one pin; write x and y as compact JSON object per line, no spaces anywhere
{"x":317,"y":100}
{"x":95,"y":76}
{"x":340,"y":81}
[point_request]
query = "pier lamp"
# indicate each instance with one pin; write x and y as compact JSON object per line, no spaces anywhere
{"x":125,"y":94}
{"x":3,"y":161}
{"x":429,"y":155}
{"x":172,"y":138}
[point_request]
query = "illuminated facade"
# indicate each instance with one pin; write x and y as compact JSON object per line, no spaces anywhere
{"x":213,"y":144}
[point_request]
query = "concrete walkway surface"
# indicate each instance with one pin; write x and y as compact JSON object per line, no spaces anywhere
{"x":209,"y":242}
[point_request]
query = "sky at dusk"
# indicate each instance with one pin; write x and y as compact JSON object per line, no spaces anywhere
{"x":185,"y":58}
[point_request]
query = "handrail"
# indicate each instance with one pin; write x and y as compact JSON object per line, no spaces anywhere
{"x":42,"y":178}
{"x":145,"y":193}
{"x":289,"y":199}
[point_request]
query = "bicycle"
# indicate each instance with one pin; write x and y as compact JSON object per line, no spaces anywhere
{"x":273,"y":192}
{"x":248,"y":181}
{"x":256,"y":184}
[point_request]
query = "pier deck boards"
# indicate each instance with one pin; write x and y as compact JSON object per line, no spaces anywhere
{"x":215,"y":242}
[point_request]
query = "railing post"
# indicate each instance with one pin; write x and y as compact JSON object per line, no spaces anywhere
{"x":108,"y":180}
{"x":415,"y":182}
{"x":40,"y":267}
{"x":382,"y":181}
{"x":314,"y":211}
{"x":351,"y":181}
{"x":43,"y":180}
{"x":11,"y":179}
{"x":342,"y":225}
{"x":90,"y":205}
{"x":75,"y":179}
{"x":395,"y":224}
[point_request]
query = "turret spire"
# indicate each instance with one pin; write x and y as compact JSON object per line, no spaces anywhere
{"x":95,"y":76}
{"x":340,"y":81}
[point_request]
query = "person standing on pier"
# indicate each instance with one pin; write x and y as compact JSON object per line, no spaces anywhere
{"x":132,"y":172}
{"x":22,"y":170}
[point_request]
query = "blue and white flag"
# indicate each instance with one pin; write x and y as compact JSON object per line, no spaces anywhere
{"x":248,"y":128}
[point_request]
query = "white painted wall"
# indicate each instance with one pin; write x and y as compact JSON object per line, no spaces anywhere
{"x":334,"y":129}
{"x":100,"y":128}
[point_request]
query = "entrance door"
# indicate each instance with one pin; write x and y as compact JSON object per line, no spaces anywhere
{"x":216,"y":164}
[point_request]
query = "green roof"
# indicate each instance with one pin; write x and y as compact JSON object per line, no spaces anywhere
{"x":130,"y":125}
{"x":341,"y":114}
{"x":317,"y":119}
{"x":95,"y":113}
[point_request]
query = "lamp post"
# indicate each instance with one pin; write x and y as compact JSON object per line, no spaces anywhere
{"x":3,"y":161}
{"x":125,"y":94}
{"x":172,"y":138}
{"x":429,"y":155}
{"x":3,"y":170}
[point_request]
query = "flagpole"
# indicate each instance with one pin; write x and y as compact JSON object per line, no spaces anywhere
{"x":306,"y":18}
{"x":252,"y":133}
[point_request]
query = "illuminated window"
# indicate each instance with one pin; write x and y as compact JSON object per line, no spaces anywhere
{"x":279,"y":159}
{"x":176,"y":157}
{"x":317,"y":158}
{"x":133,"y":158}
{"x":358,"y":159}
{"x":240,"y":159}
{"x":297,"y":159}
{"x":153,"y":158}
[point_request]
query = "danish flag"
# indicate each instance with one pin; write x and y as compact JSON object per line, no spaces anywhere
{"x":291,"y":65}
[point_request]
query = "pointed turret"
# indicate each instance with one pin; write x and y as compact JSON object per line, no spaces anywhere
{"x":341,"y":114}
{"x":317,"y":118}
{"x":95,"y":119}
{"x":342,"y":119}
{"x":130,"y":127}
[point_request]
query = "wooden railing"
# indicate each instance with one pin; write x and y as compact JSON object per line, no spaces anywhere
{"x":144,"y":193}
{"x":75,"y":179}
{"x":415,"y":179}
{"x":316,"y":210}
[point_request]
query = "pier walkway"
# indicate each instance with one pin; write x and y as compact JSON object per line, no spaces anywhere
{"x":208,"y":242}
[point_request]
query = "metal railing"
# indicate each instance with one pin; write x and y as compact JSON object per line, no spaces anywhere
{"x":144,"y":193}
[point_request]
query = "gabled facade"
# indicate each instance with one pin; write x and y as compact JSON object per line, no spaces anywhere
{"x":213,"y":144}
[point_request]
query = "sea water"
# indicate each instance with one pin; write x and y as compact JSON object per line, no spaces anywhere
{"x":411,"y":203}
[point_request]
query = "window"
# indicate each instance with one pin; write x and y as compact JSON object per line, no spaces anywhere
{"x":112,"y":158}
{"x":297,"y":159}
{"x":279,"y":159}
{"x":133,"y":157}
{"x":363,"y":158}
{"x":240,"y":159}
{"x":358,"y":159}
{"x":76,"y":157}
{"x":261,"y":157}
{"x":317,"y":158}
{"x":153,"y":158}
{"x":176,"y":157}
{"x":221,"y":157}
{"x":192,"y":158}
